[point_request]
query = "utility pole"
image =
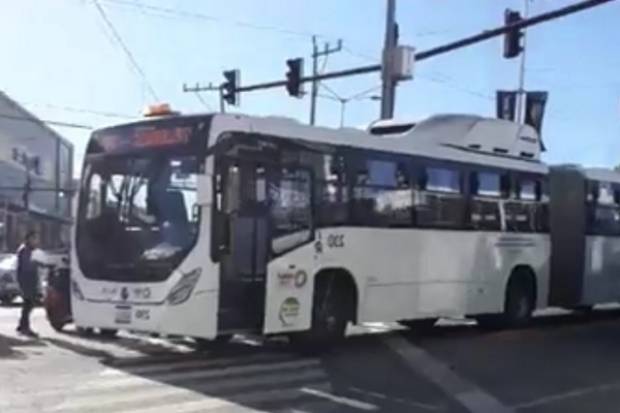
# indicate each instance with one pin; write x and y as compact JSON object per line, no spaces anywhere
{"x":208,"y":88}
{"x":388,"y":95}
{"x":521,"y":90}
{"x":316,"y":54}
{"x":27,"y":190}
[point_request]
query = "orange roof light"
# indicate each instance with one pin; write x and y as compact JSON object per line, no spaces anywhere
{"x":159,"y":109}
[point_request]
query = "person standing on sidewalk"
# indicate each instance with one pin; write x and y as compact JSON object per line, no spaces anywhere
{"x":27,"y":277}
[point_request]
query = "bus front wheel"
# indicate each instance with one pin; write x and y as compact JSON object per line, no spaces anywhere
{"x":108,"y":333}
{"x":330,"y":316}
{"x":203,"y":344}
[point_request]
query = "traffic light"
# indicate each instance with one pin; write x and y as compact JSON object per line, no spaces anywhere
{"x":512,"y":38}
{"x":230,"y":86}
{"x":294,"y":75}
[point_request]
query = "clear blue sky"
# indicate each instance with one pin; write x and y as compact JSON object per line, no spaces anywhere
{"x":61,"y":53}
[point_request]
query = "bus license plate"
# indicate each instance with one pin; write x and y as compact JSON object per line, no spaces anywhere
{"x":123,"y":315}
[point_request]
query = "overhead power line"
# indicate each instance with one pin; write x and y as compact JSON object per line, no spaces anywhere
{"x":125,"y":49}
{"x":79,"y":110}
{"x":46,"y":121}
{"x":142,"y":7}
{"x":203,"y":101}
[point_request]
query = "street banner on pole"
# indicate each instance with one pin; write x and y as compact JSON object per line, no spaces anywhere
{"x":535,"y":103}
{"x":506,"y":102}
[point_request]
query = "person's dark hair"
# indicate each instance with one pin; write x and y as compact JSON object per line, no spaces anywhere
{"x":30,"y":235}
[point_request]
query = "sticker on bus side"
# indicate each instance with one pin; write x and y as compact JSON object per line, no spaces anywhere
{"x":289,"y":311}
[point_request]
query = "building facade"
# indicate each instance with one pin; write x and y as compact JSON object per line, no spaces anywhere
{"x":36,"y":170}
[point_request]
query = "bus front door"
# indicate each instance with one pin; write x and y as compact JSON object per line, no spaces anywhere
{"x":244,"y":261}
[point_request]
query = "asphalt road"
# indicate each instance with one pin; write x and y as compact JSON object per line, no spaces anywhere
{"x":565,"y":363}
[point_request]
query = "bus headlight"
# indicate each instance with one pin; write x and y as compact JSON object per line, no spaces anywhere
{"x":77,"y":292}
{"x":183,"y":289}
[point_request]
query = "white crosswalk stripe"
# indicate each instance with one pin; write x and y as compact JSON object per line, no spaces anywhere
{"x":192,"y":384}
{"x":155,"y":375}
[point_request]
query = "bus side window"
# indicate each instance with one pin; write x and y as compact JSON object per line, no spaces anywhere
{"x":441,"y":203}
{"x":331,"y":195}
{"x":529,"y":212}
{"x":486,"y":190}
{"x":604,"y":211}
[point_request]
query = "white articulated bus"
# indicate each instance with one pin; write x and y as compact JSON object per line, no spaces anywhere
{"x":207,"y":225}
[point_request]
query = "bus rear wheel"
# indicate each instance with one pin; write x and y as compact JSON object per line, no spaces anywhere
{"x":518,"y":305}
{"x":419,"y":325}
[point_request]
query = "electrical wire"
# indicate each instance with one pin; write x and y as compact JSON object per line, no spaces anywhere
{"x":125,"y":49}
{"x":360,"y":55}
{"x":203,"y":101}
{"x":330,"y":90}
{"x":46,"y":121}
{"x":78,"y":110}
{"x":438,"y":78}
{"x":200,"y":16}
{"x":453,"y":86}
{"x":336,"y":96}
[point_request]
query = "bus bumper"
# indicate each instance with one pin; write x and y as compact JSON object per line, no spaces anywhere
{"x":196,"y":317}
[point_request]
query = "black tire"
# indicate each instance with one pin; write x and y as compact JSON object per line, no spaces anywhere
{"x":7,"y":299}
{"x":84,"y":331}
{"x":108,"y":332}
{"x":203,"y":344}
{"x":519,"y":305}
{"x":420,"y":325}
{"x":490,"y":321}
{"x":331,"y":314}
{"x":57,"y":325}
{"x":584,"y":309}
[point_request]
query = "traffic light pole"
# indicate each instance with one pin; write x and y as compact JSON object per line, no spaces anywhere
{"x":208,"y":88}
{"x":521,"y":91}
{"x":436,"y":51}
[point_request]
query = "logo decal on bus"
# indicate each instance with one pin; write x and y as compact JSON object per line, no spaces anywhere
{"x":124,"y":293}
{"x":335,"y":241}
{"x":300,"y":278}
{"x":142,"y":292}
{"x":289,"y":311}
{"x":285,"y":278}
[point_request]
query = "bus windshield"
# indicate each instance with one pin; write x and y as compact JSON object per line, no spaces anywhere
{"x":138,"y":216}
